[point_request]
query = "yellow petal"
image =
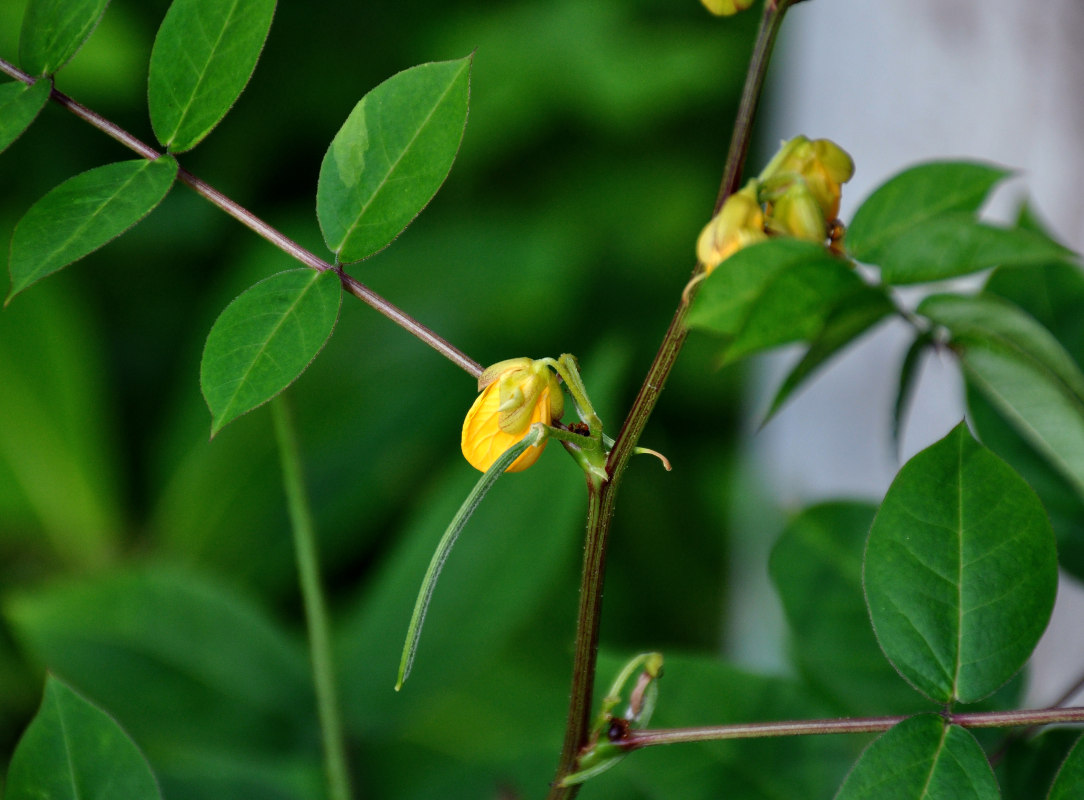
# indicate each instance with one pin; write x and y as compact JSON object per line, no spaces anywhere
{"x":482,"y":439}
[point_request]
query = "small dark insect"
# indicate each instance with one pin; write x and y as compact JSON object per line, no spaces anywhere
{"x":580,"y":428}
{"x":618,"y":730}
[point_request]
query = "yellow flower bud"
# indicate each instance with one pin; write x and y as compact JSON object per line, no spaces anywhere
{"x":797,"y":213}
{"x":514,"y":395}
{"x":822,"y":165}
{"x":724,"y":8}
{"x":739,"y":223}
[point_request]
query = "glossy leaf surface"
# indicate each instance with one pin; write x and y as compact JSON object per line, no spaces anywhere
{"x":1023,"y":370}
{"x":179,"y":659}
{"x":921,"y":758}
{"x":960,"y":570}
{"x":265,"y":339}
{"x":770,"y":294}
{"x":84,"y":213}
{"x":914,"y":199}
{"x":391,"y":156}
{"x":19,"y":105}
{"x":203,"y":56}
{"x":53,"y":30}
{"x":72,"y":750}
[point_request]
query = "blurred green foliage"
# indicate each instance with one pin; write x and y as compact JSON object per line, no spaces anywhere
{"x":591,"y":159}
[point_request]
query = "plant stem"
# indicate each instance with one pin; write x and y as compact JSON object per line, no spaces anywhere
{"x":312,"y":594}
{"x":602,"y":495}
{"x":257,"y":225}
{"x":636,"y":740}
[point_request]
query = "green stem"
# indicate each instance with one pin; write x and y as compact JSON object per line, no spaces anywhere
{"x":312,"y":593}
{"x":602,"y":494}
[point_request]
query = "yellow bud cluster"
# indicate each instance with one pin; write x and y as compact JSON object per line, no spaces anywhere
{"x":515,"y":394}
{"x":796,"y":195}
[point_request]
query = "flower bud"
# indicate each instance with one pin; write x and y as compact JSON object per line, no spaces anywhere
{"x":515,"y":394}
{"x":739,"y":223}
{"x":725,"y":8}
{"x":822,"y":165}
{"x":798,"y":214}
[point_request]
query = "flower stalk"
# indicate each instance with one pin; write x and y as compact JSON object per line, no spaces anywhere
{"x":602,"y":494}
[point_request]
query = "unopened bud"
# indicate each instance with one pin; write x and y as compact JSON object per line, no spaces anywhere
{"x":798,"y":214}
{"x":725,"y":8}
{"x":821,"y":164}
{"x":739,"y":223}
{"x":514,"y":394}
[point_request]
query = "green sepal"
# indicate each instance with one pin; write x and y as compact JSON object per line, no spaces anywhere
{"x":537,"y":433}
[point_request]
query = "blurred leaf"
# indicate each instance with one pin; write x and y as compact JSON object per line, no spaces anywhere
{"x":19,"y":105}
{"x":1030,"y":764}
{"x":853,"y":315}
{"x":517,"y":544}
{"x":60,"y":491}
{"x":391,"y":156}
{"x":84,"y":213}
{"x":770,"y":294}
{"x":816,"y":567}
{"x":960,"y":570}
{"x":957,"y":244}
{"x":906,"y":389}
{"x":73,"y":749}
{"x":915,"y":198}
{"x":265,"y":339}
{"x":1023,"y":370}
{"x":1070,"y":780}
{"x":53,"y":30}
{"x":702,"y":690}
{"x":919,"y":759}
{"x":203,"y":56}
{"x":183,"y":663}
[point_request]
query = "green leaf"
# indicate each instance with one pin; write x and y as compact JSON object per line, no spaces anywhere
{"x":265,"y":339}
{"x":203,"y":56}
{"x":770,"y":294}
{"x":1023,"y":370}
{"x":1070,"y":781}
{"x":1030,"y":764}
{"x":391,"y":156}
{"x":84,"y":213}
{"x":53,"y":30}
{"x":19,"y":105}
{"x":852,"y":317}
{"x":958,"y":244}
{"x":960,"y":570}
{"x":922,"y":758}
{"x":816,"y":567}
{"x":905,"y":389}
{"x":59,"y":441}
{"x":182,"y":662}
{"x":73,"y":749}
{"x":913,"y":199}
